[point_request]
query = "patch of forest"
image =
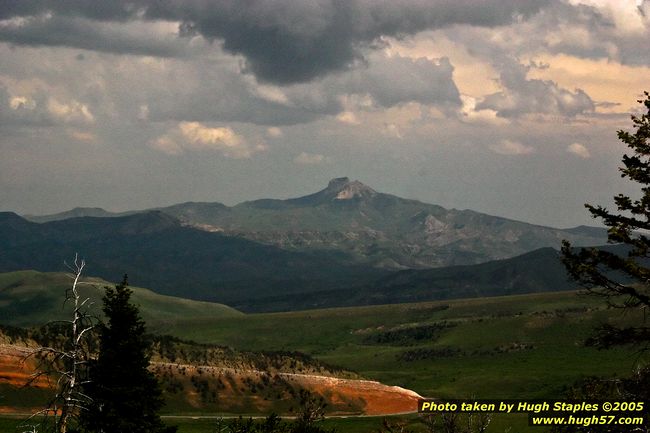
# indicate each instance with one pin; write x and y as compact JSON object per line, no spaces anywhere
{"x":409,"y":336}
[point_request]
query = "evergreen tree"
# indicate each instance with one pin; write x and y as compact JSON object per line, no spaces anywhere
{"x":126,"y":396}
{"x":622,"y":280}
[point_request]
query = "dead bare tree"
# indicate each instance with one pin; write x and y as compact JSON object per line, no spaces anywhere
{"x":312,"y":409}
{"x":395,"y":426}
{"x":67,"y":364}
{"x":478,"y":423}
{"x":448,"y":422}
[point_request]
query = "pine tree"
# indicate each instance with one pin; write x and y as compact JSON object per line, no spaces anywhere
{"x":126,"y":397}
{"x":623,"y":281}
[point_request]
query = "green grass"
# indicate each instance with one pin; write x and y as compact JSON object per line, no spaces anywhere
{"x":553,"y":327}
{"x":499,"y":424}
{"x":27,"y":397}
{"x":10,"y":424}
{"x":525,"y":346}
{"x":30,"y":298}
{"x":347,"y":425}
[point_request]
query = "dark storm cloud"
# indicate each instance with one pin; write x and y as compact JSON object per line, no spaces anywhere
{"x":394,"y":80}
{"x":282,"y":41}
{"x":600,"y":33}
{"x":288,"y":40}
{"x":388,"y":81}
{"x":578,"y":30}
{"x":607,"y":39}
{"x":108,"y":10}
{"x":82,"y":33}
{"x":524,"y":96}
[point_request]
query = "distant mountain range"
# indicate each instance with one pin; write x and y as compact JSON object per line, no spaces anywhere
{"x":344,"y":245}
{"x":369,"y":227}
{"x":533,"y":272}
{"x":157,"y":251}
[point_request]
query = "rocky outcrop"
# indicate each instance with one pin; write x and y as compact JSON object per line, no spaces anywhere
{"x":213,"y":389}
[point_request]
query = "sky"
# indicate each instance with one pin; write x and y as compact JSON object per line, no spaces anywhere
{"x":508,"y":107}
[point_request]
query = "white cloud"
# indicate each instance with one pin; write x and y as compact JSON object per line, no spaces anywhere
{"x":271,"y":94}
{"x":201,"y":136}
{"x":274,"y":132}
{"x":73,"y":111}
{"x":143,"y":112}
{"x":579,"y":149}
{"x":627,"y":15}
{"x":509,"y":147}
{"x":310,"y":159}
{"x":167,"y":145}
{"x":471,"y":114}
{"x":23,"y":102}
{"x":348,"y":117}
{"x":195,"y":136}
{"x":392,"y":130}
{"x":83,"y":136}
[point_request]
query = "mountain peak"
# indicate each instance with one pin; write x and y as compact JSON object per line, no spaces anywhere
{"x":340,"y":188}
{"x":72,"y":213}
{"x":338,"y":182}
{"x":345,"y":189}
{"x":11,"y":219}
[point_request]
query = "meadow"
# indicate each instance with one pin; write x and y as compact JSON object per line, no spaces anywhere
{"x":524,"y":346}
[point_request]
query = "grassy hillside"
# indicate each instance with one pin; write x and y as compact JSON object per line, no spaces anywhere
{"x":204,"y":379}
{"x":444,"y":348}
{"x":33,"y":298}
{"x":524,"y":346}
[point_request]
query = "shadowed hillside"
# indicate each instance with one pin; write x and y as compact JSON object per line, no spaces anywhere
{"x":156,"y":251}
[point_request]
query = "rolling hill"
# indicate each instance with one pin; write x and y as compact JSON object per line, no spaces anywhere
{"x":533,"y":272}
{"x":208,"y":379}
{"x":30,"y":298}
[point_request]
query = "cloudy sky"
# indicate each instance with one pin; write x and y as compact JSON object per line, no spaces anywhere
{"x":508,"y":107}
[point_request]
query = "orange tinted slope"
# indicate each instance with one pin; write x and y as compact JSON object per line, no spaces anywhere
{"x":16,"y":370}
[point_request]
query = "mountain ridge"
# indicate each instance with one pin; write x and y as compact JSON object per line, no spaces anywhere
{"x":375,"y":228}
{"x":157,"y":250}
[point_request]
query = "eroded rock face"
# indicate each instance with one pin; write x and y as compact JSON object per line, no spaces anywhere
{"x":434,"y":226}
{"x":354,"y":189}
{"x":16,"y":369}
{"x":213,"y":388}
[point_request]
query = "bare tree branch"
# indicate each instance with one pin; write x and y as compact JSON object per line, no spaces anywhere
{"x":67,"y":364}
